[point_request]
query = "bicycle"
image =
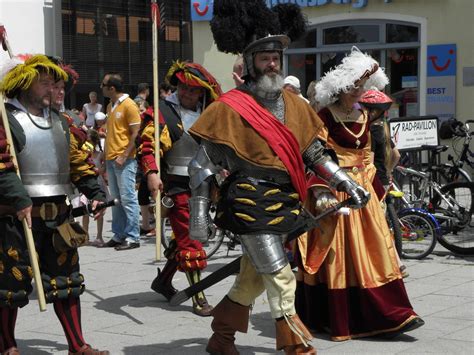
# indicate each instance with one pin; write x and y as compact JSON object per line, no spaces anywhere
{"x":453,"y":171}
{"x":452,"y":206}
{"x":415,"y":230}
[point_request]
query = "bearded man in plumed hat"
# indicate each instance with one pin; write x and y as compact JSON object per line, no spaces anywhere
{"x":265,"y":137}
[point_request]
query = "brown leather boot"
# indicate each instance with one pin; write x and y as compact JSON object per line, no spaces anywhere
{"x":87,"y":350}
{"x":200,"y":305}
{"x":291,"y":342}
{"x":229,"y":317}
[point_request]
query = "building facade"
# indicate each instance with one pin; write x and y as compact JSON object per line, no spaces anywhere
{"x":425,"y":46}
{"x":106,"y":36}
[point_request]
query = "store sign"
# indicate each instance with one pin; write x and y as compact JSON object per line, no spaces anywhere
{"x":201,"y":10}
{"x":441,"y":81}
{"x":414,"y":132}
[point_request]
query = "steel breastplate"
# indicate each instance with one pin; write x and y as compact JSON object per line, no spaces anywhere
{"x":44,"y":160}
{"x":180,"y":154}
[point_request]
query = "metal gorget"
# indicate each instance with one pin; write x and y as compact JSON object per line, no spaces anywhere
{"x":44,"y":160}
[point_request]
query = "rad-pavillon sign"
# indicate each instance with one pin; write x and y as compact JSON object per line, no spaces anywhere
{"x":201,"y":10}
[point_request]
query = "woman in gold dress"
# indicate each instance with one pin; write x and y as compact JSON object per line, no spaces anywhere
{"x":349,"y":282}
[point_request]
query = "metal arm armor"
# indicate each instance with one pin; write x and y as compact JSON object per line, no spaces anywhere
{"x":200,"y":169}
{"x":322,"y":165}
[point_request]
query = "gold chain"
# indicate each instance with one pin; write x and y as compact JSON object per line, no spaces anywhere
{"x":356,"y":136}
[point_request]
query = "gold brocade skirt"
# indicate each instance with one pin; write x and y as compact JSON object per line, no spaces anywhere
{"x":354,"y":250}
{"x":346,"y":270}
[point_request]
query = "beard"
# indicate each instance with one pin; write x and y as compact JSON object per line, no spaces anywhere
{"x":269,"y":82}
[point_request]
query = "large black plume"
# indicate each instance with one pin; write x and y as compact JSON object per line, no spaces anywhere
{"x":238,"y":23}
{"x":292,"y":21}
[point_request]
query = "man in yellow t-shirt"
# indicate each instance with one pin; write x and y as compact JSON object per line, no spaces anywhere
{"x":123,"y":124}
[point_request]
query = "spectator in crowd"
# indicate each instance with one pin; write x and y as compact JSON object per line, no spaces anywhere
{"x":143,"y":91}
{"x":94,"y":139}
{"x":100,"y":121}
{"x":123,"y":124}
{"x":311,"y":95}
{"x":165,"y":90}
{"x":237,"y":71}
{"x":90,"y":109}
{"x":292,"y":84}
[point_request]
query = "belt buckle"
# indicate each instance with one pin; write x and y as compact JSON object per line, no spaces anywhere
{"x":48,"y":211}
{"x":355,"y":170}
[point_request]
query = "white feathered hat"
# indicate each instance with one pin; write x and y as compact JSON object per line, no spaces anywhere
{"x":344,"y":77}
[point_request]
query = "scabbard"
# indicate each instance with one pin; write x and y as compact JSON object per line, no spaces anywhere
{"x":311,"y":222}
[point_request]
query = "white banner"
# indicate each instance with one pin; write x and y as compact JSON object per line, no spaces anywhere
{"x":413,"y":133}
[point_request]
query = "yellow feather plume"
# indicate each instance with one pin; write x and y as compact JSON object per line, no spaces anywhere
{"x":22,"y":76}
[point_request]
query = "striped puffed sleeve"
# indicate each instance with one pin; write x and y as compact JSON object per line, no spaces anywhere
{"x":12,"y":191}
{"x":146,"y":146}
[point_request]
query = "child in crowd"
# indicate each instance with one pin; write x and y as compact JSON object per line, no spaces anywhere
{"x":98,"y":158}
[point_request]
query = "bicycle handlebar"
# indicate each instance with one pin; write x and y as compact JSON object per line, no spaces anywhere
{"x":409,"y":171}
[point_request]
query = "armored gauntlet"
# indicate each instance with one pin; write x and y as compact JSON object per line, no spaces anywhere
{"x":200,"y":224}
{"x":338,"y":179}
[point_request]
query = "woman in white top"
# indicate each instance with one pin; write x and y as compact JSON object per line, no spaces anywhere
{"x":90,"y":109}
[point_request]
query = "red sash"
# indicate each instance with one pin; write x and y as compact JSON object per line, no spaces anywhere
{"x":280,"y":139}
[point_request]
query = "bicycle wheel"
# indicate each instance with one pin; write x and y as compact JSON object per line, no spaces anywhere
{"x":394,"y":225}
{"x":214,"y":242}
{"x":166,"y":232}
{"x":457,"y":225}
{"x":419,"y":234}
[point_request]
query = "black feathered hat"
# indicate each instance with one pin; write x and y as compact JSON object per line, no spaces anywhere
{"x":249,"y":26}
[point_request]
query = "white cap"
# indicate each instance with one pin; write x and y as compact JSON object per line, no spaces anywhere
{"x":293,"y":81}
{"x":100,"y":116}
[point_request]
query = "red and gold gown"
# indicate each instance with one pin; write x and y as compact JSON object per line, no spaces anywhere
{"x":349,"y":282}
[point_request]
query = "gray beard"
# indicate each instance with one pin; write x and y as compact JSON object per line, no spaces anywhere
{"x":269,"y":87}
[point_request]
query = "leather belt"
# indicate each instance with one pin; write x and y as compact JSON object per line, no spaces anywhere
{"x":45,"y":211}
{"x":48,"y":211}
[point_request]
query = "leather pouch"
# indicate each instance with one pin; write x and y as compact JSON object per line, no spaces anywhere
{"x":69,"y":236}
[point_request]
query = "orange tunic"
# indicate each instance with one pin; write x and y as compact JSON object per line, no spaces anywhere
{"x":239,"y":135}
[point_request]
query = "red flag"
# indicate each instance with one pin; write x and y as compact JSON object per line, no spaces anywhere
{"x":155,"y":13}
{"x":3,"y":37}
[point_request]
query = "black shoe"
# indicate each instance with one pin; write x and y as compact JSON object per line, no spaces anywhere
{"x":411,"y":325}
{"x":127,"y":245}
{"x":167,"y":290}
{"x":110,"y":244}
{"x":145,"y":231}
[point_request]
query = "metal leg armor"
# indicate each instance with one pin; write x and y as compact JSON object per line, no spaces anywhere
{"x":265,"y":251}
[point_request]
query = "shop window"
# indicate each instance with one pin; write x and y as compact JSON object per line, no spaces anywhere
{"x":303,"y":67}
{"x":401,"y":33}
{"x":308,"y":41}
{"x":351,"y":34}
{"x":85,"y":24}
{"x":402,"y":69}
{"x":331,"y":59}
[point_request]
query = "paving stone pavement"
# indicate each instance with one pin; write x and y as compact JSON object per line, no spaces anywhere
{"x":122,"y":314}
